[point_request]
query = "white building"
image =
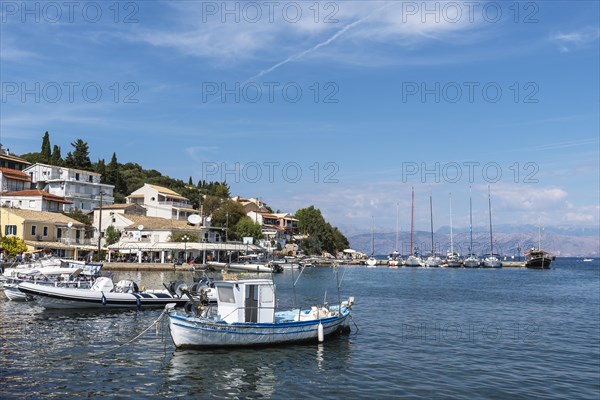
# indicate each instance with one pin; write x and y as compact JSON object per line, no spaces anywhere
{"x":162,"y":202}
{"x":82,"y":188}
{"x":35,"y":200}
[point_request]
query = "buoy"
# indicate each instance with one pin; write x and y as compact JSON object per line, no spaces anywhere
{"x":320,"y":332}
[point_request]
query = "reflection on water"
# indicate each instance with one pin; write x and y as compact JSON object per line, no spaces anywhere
{"x":256,"y":372}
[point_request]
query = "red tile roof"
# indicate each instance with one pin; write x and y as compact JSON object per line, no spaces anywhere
{"x":45,"y":195}
{"x":15,"y":174}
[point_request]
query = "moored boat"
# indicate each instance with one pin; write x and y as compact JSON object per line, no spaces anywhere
{"x":102,"y":294}
{"x":245,"y":316}
{"x":538,"y":259}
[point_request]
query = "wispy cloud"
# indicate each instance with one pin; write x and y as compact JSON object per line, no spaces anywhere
{"x":358,"y":23}
{"x":569,"y":41}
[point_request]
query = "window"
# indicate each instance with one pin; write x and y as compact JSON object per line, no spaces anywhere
{"x":10,"y":229}
{"x":77,"y":176}
{"x":91,"y":178}
{"x":33,"y":230}
{"x":226,"y":294}
{"x":45,"y":231}
{"x":31,"y":203}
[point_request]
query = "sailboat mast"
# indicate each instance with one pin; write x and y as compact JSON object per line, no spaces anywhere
{"x":451,"y":242}
{"x":397,"y":223}
{"x":540,"y":235}
{"x":471,"y":220}
{"x":372,"y":235}
{"x":490,"y":212}
{"x":412,"y":220}
{"x":431,"y":214}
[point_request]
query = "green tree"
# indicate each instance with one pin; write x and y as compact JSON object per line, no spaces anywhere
{"x":112,"y":235}
{"x":13,"y":245}
{"x":210,"y":204}
{"x":227,"y":215}
{"x":100,"y":168}
{"x":323,"y":236}
{"x":80,"y":157}
{"x":56,"y":158}
{"x":46,"y":152}
{"x":79,"y":215}
{"x":245,"y":227}
{"x":178,"y":236}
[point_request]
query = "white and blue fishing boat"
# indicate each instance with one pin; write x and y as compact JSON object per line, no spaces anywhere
{"x":245,"y":315}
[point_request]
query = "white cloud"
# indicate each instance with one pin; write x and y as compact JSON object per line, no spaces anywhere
{"x":352,"y":26}
{"x":574,"y":40}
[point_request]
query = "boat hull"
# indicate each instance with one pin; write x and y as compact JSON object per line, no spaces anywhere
{"x":63,"y":298}
{"x":190,"y":332}
{"x":12,"y":292}
{"x":539,"y":263}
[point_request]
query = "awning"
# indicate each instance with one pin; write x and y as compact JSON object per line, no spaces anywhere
{"x":181,"y":246}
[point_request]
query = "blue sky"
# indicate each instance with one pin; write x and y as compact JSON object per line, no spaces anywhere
{"x":365,"y":99}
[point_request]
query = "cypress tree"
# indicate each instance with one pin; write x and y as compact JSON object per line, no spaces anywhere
{"x":46,"y":153}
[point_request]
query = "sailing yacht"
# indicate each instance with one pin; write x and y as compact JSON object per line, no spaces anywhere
{"x":472,"y":261}
{"x":452,"y":258}
{"x":491,"y":260}
{"x":413,"y":260}
{"x":372,"y":261}
{"x":394,"y":258}
{"x":433,"y":260}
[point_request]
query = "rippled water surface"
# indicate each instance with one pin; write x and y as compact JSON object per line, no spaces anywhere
{"x":423,"y":333}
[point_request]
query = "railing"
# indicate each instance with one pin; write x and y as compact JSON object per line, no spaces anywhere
{"x":74,"y":241}
{"x":175,"y":204}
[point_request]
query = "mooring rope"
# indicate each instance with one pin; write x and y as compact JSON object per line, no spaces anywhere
{"x":88,"y":356}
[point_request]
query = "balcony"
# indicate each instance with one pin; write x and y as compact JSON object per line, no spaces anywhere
{"x":175,"y":204}
{"x":75,"y":241}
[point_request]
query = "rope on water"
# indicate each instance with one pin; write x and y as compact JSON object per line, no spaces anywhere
{"x":89,"y":357}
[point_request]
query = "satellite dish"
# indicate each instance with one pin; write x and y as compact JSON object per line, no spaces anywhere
{"x":194,"y":219}
{"x":70,"y":224}
{"x":140,"y":227}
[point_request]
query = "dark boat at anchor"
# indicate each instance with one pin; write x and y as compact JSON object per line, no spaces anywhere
{"x":538,"y":259}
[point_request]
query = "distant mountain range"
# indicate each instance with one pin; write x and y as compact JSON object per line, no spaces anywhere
{"x":508,"y":239}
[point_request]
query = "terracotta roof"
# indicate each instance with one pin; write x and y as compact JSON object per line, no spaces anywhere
{"x":166,"y":192}
{"x":15,"y":174}
{"x":42,"y":216}
{"x":14,"y":158}
{"x":156,"y":223}
{"x":44,"y":195}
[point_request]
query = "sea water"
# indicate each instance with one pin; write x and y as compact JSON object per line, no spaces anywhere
{"x":416,"y":333}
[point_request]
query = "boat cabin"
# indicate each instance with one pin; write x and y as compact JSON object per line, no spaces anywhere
{"x":243,"y":301}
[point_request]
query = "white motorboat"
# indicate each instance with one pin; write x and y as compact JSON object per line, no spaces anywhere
{"x":245,"y":316}
{"x":103,"y":294}
{"x":244,"y":267}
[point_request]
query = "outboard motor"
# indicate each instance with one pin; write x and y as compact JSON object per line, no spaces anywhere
{"x":126,"y":286}
{"x":103,"y":284}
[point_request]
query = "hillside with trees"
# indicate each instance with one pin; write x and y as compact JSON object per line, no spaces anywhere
{"x":213,"y":197}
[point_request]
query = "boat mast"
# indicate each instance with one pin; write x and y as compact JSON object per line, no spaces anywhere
{"x":540,"y":234}
{"x":431,"y":214}
{"x":471,"y":220}
{"x":373,"y":236}
{"x":412,"y":220}
{"x":451,"y":243}
{"x":490,"y":212}
{"x":397,"y":222}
